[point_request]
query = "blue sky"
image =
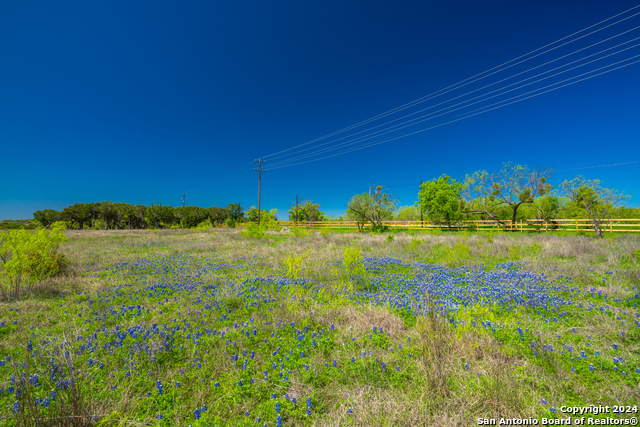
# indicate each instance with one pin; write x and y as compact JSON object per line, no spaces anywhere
{"x":139,"y":102}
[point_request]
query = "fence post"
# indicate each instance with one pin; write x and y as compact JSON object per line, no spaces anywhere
{"x":576,"y":225}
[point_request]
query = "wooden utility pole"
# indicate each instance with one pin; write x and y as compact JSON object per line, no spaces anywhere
{"x":183,"y":199}
{"x":420,"y":205}
{"x":296,"y":218}
{"x":260,"y":170}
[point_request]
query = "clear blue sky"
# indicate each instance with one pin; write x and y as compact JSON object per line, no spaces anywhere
{"x":138,"y":102}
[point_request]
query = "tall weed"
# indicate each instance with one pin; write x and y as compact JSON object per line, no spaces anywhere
{"x":28,"y":257}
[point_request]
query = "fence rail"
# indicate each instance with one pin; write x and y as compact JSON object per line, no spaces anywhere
{"x":575,"y":225}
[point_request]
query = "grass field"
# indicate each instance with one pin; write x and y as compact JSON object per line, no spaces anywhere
{"x":180,"y":328}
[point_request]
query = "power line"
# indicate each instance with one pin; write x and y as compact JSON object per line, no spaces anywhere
{"x":463,"y":116}
{"x":599,"y":166}
{"x":460,"y":84}
{"x":479,"y":96}
{"x":311,"y":197}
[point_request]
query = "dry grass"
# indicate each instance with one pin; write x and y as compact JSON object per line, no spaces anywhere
{"x":439,"y":392}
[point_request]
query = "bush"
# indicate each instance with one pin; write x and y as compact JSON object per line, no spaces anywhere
{"x":29,"y":257}
{"x":352,"y":261}
{"x":293,"y":265}
{"x":300,"y":232}
{"x":254,"y":230}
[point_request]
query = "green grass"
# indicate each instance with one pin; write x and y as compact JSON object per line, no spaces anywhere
{"x":293,"y":315}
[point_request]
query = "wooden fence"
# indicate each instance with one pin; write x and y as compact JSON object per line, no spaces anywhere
{"x":574,"y":225}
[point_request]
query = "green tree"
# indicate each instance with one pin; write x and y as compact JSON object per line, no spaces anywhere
{"x":110,"y":214}
{"x":598,"y":202}
{"x":356,"y":209}
{"x":511,"y":187}
{"x":440,"y":199}
{"x":407,"y":213}
{"x":265,"y":216}
{"x":217,"y":215}
{"x":157,"y":215}
{"x":374,"y":208}
{"x":234,"y":212}
{"x":47,"y":217}
{"x":76,"y":214}
{"x":190,"y":216}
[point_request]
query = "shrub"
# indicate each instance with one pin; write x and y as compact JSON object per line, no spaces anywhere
{"x":293,"y":265}
{"x":254,"y":230}
{"x":352,"y":261}
{"x":28,"y":257}
{"x":300,"y":232}
{"x":231,"y":223}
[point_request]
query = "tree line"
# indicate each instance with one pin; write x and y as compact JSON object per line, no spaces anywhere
{"x":113,"y":215}
{"x":515,"y":192}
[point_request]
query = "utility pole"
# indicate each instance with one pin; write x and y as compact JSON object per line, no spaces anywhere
{"x":296,"y":218}
{"x":183,"y":199}
{"x":260,"y":170}
{"x":420,"y":205}
{"x":369,"y":190}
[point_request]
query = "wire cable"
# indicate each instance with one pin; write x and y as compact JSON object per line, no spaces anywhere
{"x":459,"y":84}
{"x":476,"y":90}
{"x":382,"y":132}
{"x":481,"y":112}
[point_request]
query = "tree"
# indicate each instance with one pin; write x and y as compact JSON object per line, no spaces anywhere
{"x":307,"y":211}
{"x":47,"y":217}
{"x":546,"y":207}
{"x":110,"y":213}
{"x":217,"y":215}
{"x":356,"y":209}
{"x":158,"y":214}
{"x":375,"y":208}
{"x":407,"y":213}
{"x":190,"y":216}
{"x":76,"y":214}
{"x":589,"y":195}
{"x":91,"y":211}
{"x":511,"y":187}
{"x":234,"y":212}
{"x":265,"y":216}
{"x":440,"y":199}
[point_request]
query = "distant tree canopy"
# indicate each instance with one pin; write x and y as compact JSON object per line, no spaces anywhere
{"x":307,"y":211}
{"x":407,"y":213}
{"x":265,"y":216}
{"x":110,"y":215}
